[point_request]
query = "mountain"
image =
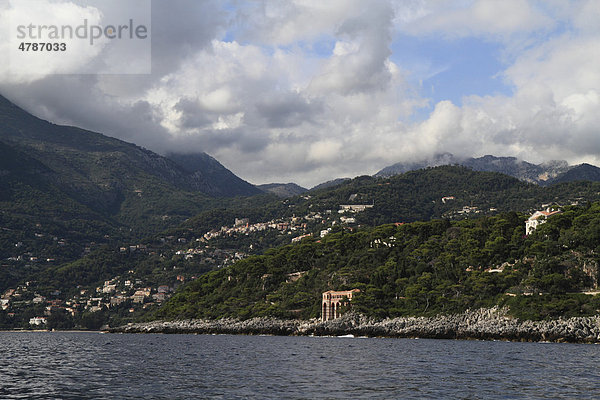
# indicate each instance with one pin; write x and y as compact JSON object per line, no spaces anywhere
{"x":64,"y":189}
{"x":523,"y":170}
{"x":283,"y":190}
{"x":582,"y":172}
{"x":97,"y":160}
{"x":211,"y":177}
{"x":105,"y":173}
{"x":512,"y":166}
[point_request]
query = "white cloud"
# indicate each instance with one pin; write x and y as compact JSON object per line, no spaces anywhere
{"x":287,"y":22}
{"x":481,"y":17}
{"x":25,"y":18}
{"x":304,"y":117}
{"x":566,"y":64}
{"x":553,"y":114}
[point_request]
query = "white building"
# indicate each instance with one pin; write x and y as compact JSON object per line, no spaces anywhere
{"x":532,"y":223}
{"x":37,"y":321}
{"x":109,"y":288}
{"x":354,"y":208}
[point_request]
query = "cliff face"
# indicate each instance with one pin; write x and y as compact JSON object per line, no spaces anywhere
{"x":483,"y":324}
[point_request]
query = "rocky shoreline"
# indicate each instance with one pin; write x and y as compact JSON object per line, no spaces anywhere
{"x":481,"y":324}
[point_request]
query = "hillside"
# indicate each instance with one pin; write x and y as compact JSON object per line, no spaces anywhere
{"x":331,"y":183}
{"x":283,"y":190}
{"x":103,"y":172}
{"x":120,"y":183}
{"x":582,"y":172}
{"x":422,"y":268}
{"x":65,"y":192}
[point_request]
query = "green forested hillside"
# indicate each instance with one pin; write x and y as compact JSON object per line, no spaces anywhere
{"x":421,"y":268}
{"x":417,"y":195}
{"x":111,"y":177}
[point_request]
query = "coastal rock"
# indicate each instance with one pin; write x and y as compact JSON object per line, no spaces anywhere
{"x":485,"y":324}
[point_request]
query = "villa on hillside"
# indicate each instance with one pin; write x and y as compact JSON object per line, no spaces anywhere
{"x":354,"y":208}
{"x":532,"y":223}
{"x":333,"y":301}
{"x":37,"y":321}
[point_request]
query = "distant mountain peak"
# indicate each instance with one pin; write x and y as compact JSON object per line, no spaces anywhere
{"x":549,"y":172}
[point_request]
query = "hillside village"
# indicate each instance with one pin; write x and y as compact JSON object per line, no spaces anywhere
{"x":129,"y":294}
{"x":292,"y":225}
{"x":120,"y":292}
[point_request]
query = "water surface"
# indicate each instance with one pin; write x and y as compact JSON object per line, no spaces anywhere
{"x":75,"y":365}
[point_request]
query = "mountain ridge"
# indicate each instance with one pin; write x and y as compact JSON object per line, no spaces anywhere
{"x":93,"y":186}
{"x":546,"y":173}
{"x":26,"y":131}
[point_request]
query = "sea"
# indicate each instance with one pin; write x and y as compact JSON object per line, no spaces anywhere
{"x":79,"y":365}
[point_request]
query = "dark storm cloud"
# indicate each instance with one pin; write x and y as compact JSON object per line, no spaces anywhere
{"x":81,"y":104}
{"x":244,"y":140}
{"x":287,"y":110}
{"x":180,"y":28}
{"x":192,"y":115}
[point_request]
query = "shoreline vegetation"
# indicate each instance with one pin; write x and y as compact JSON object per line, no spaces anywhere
{"x":481,"y":324}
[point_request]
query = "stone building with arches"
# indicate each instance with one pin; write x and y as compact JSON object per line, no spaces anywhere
{"x":333,"y":301}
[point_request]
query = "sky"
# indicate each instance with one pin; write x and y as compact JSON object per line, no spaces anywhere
{"x":309,"y":90}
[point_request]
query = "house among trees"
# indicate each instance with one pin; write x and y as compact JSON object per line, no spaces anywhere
{"x":37,"y":321}
{"x":536,"y":219}
{"x":333,"y":302}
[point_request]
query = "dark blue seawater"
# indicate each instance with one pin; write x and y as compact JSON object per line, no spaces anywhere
{"x":74,"y":365}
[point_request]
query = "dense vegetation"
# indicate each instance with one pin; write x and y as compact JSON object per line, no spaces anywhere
{"x":422,"y":268}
